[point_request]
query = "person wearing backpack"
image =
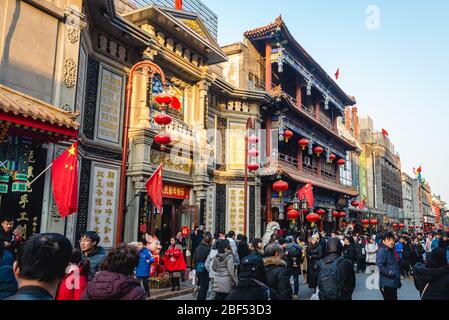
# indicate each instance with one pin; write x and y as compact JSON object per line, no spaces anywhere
{"x":336,"y":277}
{"x":278,"y":277}
{"x":199,"y":262}
{"x":293,"y":255}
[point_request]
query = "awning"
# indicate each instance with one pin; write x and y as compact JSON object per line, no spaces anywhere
{"x":26,"y":116}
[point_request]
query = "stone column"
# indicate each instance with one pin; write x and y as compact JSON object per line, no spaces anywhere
{"x":204,"y":104}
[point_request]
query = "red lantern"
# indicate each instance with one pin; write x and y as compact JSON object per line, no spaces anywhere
{"x":185,"y":231}
{"x":163,"y":98}
{"x":374,"y":222}
{"x":303,"y":143}
{"x":293,"y":215}
{"x":253,"y":139}
{"x":441,"y":226}
{"x":341,"y":162}
{"x":335,"y":214}
{"x":288,"y":135}
{"x":320,"y":212}
{"x":253,"y":167}
{"x":176,"y":104}
{"x":417,"y":227}
{"x":305,"y":211}
{"x":313,"y":218}
{"x":280,"y":187}
{"x":253,"y":153}
{"x":342,"y":214}
{"x":411,"y":227}
{"x":332,"y":157}
{"x":163,"y":119}
{"x":395,"y":225}
{"x":162,"y":139}
{"x":401,"y":225}
{"x":355,"y":203}
{"x":318,"y":151}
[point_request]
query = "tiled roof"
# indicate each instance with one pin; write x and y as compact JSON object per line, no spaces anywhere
{"x":18,"y":104}
{"x":265,"y":30}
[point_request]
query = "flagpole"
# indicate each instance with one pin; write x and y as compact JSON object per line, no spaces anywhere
{"x":40,"y":174}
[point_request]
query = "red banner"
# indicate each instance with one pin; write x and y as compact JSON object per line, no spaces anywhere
{"x":175,"y":191}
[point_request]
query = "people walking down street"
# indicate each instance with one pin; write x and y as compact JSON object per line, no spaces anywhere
{"x":40,"y":265}
{"x":418,"y":250}
{"x":389,"y":271}
{"x":407,"y":257}
{"x":371,"y":251}
{"x":444,"y":243}
{"x":224,"y":271}
{"x":218,"y":236}
{"x":181,"y":241}
{"x":8,"y":282}
{"x":196,"y":237}
{"x":115,"y":280}
{"x":359,"y":244}
{"x":314,"y":255}
{"x":242,"y":246}
{"x":432,"y":279}
{"x":349,"y":251}
{"x":76,"y":277}
{"x":11,"y":238}
{"x":278,"y":277}
{"x":94,"y":253}
{"x":144,"y":266}
{"x":251,"y":284}
{"x":294,"y":259}
{"x":174,"y":264}
{"x":428,"y":245}
{"x":336,"y":278}
{"x":303,"y":266}
{"x":436,"y":240}
{"x":231,"y":238}
{"x":256,"y":255}
{"x":199,"y":263}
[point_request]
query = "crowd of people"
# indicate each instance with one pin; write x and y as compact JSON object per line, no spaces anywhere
{"x":225,"y":266}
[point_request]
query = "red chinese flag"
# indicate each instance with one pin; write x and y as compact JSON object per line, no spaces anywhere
{"x":385,"y":132}
{"x":64,"y":180}
{"x":337,"y":74}
{"x":306,"y":193}
{"x":154,"y":188}
{"x":178,"y":4}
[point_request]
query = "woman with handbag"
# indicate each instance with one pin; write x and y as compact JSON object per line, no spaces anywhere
{"x":174,"y":263}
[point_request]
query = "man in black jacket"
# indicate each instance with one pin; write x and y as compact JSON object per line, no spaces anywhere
{"x":40,"y":266}
{"x":10,"y":238}
{"x":276,"y":271}
{"x":199,"y":260}
{"x":345,"y":275}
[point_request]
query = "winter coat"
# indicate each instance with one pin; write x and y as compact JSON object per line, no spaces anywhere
{"x":8,"y":282}
{"x":390,"y":274}
{"x":174,"y":259}
{"x":445,"y":245}
{"x":15,"y":240}
{"x":201,"y":253}
{"x":435,"y":243}
{"x":349,"y":253}
{"x":70,"y":288}
{"x":224,"y":273}
{"x":95,"y":258}
{"x":418,"y":252}
{"x":293,"y":257}
{"x":251,"y":290}
{"x":399,"y":247}
{"x":346,"y":271}
{"x":314,"y":255}
{"x":438,"y":280}
{"x":278,"y":277}
{"x":182,"y":243}
{"x":242,"y":249}
{"x":408,"y":255}
{"x":113,"y":286}
{"x":31,"y":293}
{"x":145,"y":261}
{"x":210,"y":258}
{"x":360,"y":252}
{"x":371,"y":250}
{"x":256,"y":256}
{"x":234,"y":251}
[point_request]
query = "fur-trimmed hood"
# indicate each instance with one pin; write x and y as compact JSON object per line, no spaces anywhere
{"x":274,"y":262}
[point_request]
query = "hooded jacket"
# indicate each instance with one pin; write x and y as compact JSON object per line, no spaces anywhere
{"x":113,"y":286}
{"x":438,"y":280}
{"x":145,"y":261}
{"x":390,"y":275}
{"x":224,"y":273}
{"x":278,"y":277}
{"x":95,"y":258}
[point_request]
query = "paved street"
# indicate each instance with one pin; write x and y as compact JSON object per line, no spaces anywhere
{"x":362,"y":291}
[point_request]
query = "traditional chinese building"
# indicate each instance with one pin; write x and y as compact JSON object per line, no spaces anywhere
{"x":39,"y":43}
{"x":305,"y":105}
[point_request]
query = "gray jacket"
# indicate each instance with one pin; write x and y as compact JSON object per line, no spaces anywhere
{"x":234,"y":251}
{"x":224,"y":273}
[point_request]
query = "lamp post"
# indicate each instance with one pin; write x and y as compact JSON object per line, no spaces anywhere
{"x":146,"y":68}
{"x":250,"y":124}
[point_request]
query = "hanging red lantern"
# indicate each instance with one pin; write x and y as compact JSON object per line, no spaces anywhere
{"x":253,"y":139}
{"x":164,"y":98}
{"x":185,"y":231}
{"x":163,"y":119}
{"x":313,"y":218}
{"x":411,"y":227}
{"x":401,"y":225}
{"x":253,"y":153}
{"x":293,"y":215}
{"x":365,"y":222}
{"x":175,"y":104}
{"x":321,"y":212}
{"x":342,"y":214}
{"x":332,"y":157}
{"x":374,"y":222}
{"x":288,"y":134}
{"x":318,"y":151}
{"x":303,"y":143}
{"x":162,"y":139}
{"x":336,"y":214}
{"x":395,"y":225}
{"x":253,"y":167}
{"x":305,"y":211}
{"x":441,"y":226}
{"x":417,"y":227}
{"x":355,"y":203}
{"x":341,"y":162}
{"x":280,"y":187}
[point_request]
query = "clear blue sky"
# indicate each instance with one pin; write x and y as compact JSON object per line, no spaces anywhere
{"x":399,"y":73}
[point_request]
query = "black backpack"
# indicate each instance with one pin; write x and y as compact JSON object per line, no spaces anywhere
{"x":330,"y":280}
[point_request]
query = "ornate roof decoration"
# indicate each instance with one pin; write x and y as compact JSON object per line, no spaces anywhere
{"x":265,"y":30}
{"x":195,"y":27}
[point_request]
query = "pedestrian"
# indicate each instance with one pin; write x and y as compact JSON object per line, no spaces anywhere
{"x":436,"y":240}
{"x":8,"y":282}
{"x":224,"y":270}
{"x":444,"y":243}
{"x":115,"y":280}
{"x":389,"y":271}
{"x":231,"y":238}
{"x":251,"y":285}
{"x":242,"y":246}
{"x":276,"y":271}
{"x":314,"y":255}
{"x":199,"y":263}
{"x":40,"y":266}
{"x":95,"y":254}
{"x":196,"y":237}
{"x":359,"y":245}
{"x":293,"y":255}
{"x":336,"y":278}
{"x":257,"y":254}
{"x":76,"y":277}
{"x":11,"y":238}
{"x":144,"y":266}
{"x":174,"y":264}
{"x":349,"y":250}
{"x":407,"y":257}
{"x":428,"y":245}
{"x":303,"y":266}
{"x":371,"y":250}
{"x":432,"y":280}
{"x":418,"y":251}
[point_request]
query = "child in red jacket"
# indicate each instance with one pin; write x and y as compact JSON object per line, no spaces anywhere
{"x":75,"y":281}
{"x":174,"y":263}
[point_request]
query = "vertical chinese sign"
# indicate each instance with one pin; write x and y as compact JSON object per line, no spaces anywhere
{"x":103,"y":203}
{"x":235,"y":209}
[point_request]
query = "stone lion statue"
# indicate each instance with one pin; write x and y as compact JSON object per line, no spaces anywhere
{"x":269,"y":231}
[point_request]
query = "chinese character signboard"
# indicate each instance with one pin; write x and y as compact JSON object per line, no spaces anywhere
{"x":172,"y":162}
{"x":103,"y":204}
{"x":235,"y":208}
{"x":175,"y":191}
